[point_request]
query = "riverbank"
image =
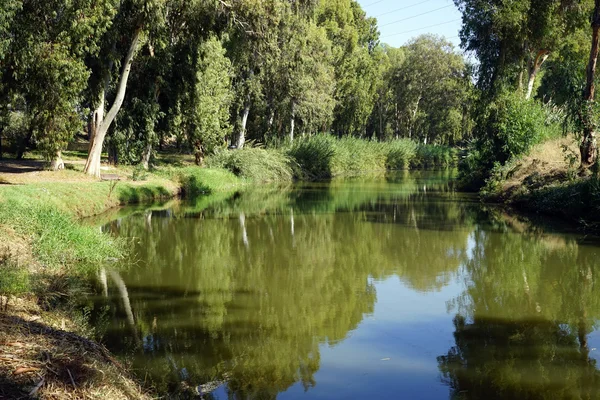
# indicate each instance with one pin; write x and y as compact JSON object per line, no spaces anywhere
{"x":545,"y":181}
{"x":47,"y":255}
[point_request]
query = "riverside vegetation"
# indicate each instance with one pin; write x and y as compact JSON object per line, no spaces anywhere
{"x":303,"y":90}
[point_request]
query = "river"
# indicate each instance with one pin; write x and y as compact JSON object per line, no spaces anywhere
{"x":388,"y":287}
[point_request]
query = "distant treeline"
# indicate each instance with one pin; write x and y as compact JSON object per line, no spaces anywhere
{"x":138,"y":75}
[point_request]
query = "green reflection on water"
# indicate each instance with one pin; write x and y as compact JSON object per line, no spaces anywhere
{"x":248,"y":287}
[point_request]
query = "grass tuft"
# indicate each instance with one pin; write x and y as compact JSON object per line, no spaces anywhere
{"x":259,"y":165}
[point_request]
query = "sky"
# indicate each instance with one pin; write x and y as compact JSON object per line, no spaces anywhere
{"x":401,"y":20}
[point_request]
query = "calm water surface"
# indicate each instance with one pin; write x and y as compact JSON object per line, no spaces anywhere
{"x":393,"y":287}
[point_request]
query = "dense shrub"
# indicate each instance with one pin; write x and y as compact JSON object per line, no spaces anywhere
{"x":400,"y":153}
{"x":507,"y":127}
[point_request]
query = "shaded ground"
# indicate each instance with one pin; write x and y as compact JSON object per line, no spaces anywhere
{"x":39,"y":360}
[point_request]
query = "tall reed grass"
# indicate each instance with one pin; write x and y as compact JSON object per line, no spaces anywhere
{"x":324,"y":156}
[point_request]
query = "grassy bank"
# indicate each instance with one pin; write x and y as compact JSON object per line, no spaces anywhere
{"x":545,"y":181}
{"x":46,"y":258}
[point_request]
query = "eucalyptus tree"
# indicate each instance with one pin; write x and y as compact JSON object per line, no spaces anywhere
{"x":250,"y":48}
{"x":356,"y":58}
{"x":430,"y":90}
{"x":299,"y":77}
{"x":44,"y":65}
{"x":130,"y":25}
{"x":512,"y":38}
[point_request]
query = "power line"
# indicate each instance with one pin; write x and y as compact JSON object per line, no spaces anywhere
{"x":418,"y":29}
{"x":415,"y":16}
{"x":403,"y":8}
{"x":372,"y":4}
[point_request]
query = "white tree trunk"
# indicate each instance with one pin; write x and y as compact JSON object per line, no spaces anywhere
{"x":292,"y":122}
{"x":242,"y":135}
{"x":101,"y":124}
{"x":57,"y":163}
{"x":540,"y":59}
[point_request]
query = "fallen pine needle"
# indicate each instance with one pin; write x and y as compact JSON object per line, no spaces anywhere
{"x":24,"y":370}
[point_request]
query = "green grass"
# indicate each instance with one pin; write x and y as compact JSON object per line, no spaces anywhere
{"x":256,"y":164}
{"x":324,"y":156}
{"x":14,"y":279}
{"x":57,"y":238}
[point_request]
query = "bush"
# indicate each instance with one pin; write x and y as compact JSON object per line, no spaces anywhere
{"x":313,"y":156}
{"x":324,"y":156}
{"x":259,"y":165}
{"x":429,"y":156}
{"x":139,"y":173}
{"x":507,"y":127}
{"x":400,"y":154}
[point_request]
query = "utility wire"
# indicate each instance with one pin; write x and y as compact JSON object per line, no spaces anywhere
{"x":415,"y":16}
{"x":418,"y":29}
{"x":403,"y":8}
{"x":372,"y":4}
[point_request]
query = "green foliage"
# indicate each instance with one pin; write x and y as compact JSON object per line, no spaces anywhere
{"x":430,"y":86}
{"x":139,"y":173}
{"x":401,"y":154}
{"x":507,"y":128}
{"x":46,"y":55}
{"x":429,"y":156}
{"x":323,"y":156}
{"x":212,"y":98}
{"x":256,"y":164}
{"x":314,"y":156}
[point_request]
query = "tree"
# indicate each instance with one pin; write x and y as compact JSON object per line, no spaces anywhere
{"x":132,"y":20}
{"x":356,"y":58}
{"x":45,"y":65}
{"x":430,"y":90}
{"x":212,"y":100}
{"x":589,"y":144}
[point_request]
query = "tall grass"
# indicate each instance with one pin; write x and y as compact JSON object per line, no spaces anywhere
{"x":324,"y":156}
{"x":57,"y":238}
{"x":257,"y":164}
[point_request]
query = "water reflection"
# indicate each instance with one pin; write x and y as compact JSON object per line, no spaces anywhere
{"x":254,"y":288}
{"x":523,"y":322}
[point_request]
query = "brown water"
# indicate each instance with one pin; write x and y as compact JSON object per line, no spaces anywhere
{"x":392,"y":287}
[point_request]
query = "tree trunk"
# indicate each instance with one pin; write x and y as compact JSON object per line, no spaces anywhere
{"x":24,"y":144}
{"x":146,"y":156}
{"x":292,"y":122}
{"x":589,"y":145}
{"x":242,"y":135}
{"x":57,"y":163}
{"x":101,"y":124}
{"x":534,"y":69}
{"x":199,"y":154}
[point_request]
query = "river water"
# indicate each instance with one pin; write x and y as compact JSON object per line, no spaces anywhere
{"x":389,"y":287}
